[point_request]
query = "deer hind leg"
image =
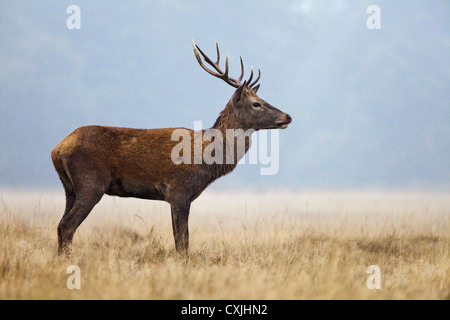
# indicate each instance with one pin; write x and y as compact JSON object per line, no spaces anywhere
{"x":68,"y":188}
{"x":83,"y":203}
{"x":70,"y":201}
{"x":180,"y":216}
{"x":81,"y":196}
{"x":63,"y":239}
{"x":64,"y":175}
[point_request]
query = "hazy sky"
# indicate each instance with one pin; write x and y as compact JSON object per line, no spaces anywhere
{"x":370,"y":108}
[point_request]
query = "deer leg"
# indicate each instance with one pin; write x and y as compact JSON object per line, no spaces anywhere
{"x":70,"y":201}
{"x":63,"y":172}
{"x":180,"y":216}
{"x":71,"y":220}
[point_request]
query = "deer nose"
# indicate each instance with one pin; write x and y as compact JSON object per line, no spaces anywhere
{"x":289,"y":118}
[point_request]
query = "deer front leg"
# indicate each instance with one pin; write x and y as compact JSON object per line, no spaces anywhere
{"x":180,"y":216}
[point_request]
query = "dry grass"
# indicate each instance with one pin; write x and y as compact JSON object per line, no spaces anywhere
{"x":252,"y":246}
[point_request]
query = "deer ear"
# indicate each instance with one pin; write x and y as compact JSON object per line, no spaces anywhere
{"x":255,"y":89}
{"x":239,"y":93}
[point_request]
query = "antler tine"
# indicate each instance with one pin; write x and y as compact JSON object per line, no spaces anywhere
{"x":242,"y":70}
{"x":218,"y":53}
{"x":251,"y":76}
{"x":226,"y":68}
{"x":232,"y":81}
{"x":254,"y":82}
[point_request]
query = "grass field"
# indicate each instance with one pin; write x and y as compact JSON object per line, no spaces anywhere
{"x":268,"y":245}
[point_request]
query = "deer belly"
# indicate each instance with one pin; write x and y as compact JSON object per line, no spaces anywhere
{"x":136,"y":189}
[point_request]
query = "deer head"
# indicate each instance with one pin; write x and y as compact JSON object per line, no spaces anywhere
{"x":249,"y":111}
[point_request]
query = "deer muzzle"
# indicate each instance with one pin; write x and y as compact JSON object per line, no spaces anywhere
{"x":284,"y":122}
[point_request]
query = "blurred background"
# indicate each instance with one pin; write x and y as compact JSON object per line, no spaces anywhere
{"x":370,"y":108}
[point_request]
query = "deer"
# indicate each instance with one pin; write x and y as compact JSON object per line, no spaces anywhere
{"x":96,"y":160}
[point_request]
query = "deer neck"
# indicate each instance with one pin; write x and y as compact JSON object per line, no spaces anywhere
{"x":226,"y":120}
{"x":236,"y":140}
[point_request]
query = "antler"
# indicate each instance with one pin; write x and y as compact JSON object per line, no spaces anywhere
{"x":224,"y":75}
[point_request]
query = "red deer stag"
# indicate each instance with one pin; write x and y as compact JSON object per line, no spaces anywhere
{"x":97,"y":160}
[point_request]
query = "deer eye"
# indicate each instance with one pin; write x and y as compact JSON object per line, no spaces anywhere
{"x":256,"y":105}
